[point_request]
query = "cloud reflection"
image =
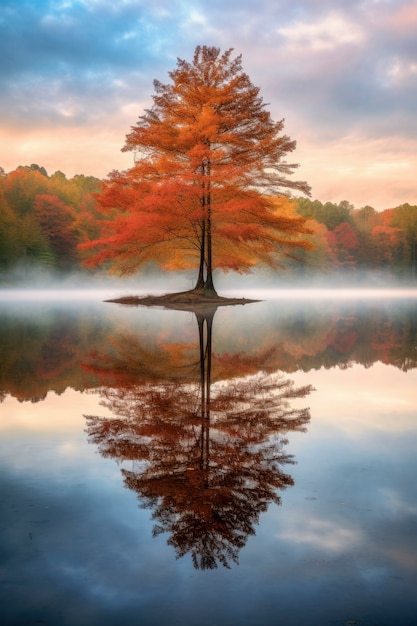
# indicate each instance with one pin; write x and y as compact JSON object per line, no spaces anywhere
{"x":325,"y":536}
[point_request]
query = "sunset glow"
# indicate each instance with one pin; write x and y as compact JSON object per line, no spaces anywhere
{"x":77,"y":74}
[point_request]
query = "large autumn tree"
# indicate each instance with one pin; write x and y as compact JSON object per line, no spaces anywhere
{"x":209,"y":187}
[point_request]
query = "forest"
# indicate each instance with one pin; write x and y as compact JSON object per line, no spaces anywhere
{"x":45,"y":219}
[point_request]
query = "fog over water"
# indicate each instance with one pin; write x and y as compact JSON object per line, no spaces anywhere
{"x":126,"y":496}
{"x":23,"y":294}
{"x":330,"y":293}
{"x":25,"y":283}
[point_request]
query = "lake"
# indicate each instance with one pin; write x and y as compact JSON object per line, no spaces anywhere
{"x":249,"y":465}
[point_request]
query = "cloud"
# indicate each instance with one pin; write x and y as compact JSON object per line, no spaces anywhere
{"x":344,"y":76}
{"x":328,"y":33}
{"x":324,"y":535}
{"x":364,"y":170}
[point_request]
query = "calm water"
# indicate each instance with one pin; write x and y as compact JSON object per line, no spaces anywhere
{"x":252,"y":465}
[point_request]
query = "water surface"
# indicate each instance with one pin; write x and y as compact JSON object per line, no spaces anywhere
{"x":254,"y":465}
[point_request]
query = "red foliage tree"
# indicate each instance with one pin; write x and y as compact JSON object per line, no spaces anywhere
{"x":388,"y":245}
{"x":343,"y":241}
{"x":206,"y":189}
{"x":57,"y":223}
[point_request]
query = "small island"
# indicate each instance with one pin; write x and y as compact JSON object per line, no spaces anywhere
{"x":186,"y":300}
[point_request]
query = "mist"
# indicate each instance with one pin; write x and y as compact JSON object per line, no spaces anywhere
{"x":23,"y":282}
{"x":37,"y":282}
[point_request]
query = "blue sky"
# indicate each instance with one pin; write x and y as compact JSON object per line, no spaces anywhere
{"x":76,"y":74}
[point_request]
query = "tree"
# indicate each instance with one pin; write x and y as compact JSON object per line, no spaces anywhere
{"x":22,"y":186}
{"x":329,"y":214}
{"x":43,"y":218}
{"x":209,"y":180}
{"x":36,"y":168}
{"x":21,"y":237}
{"x":208,"y":460}
{"x":344,"y":242}
{"x":365,"y":218}
{"x":405,"y":217}
{"x":389,"y":247}
{"x":57,"y":223}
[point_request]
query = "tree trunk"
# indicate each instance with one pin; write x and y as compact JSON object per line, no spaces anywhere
{"x":205,"y":322}
{"x":209,"y":285}
{"x":205,"y":282}
{"x":199,"y":286}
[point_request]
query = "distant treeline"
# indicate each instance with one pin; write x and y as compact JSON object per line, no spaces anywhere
{"x":44,"y":218}
{"x":361,"y":239}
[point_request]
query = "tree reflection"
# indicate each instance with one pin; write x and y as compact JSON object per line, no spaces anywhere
{"x":207,"y":458}
{"x":42,"y":349}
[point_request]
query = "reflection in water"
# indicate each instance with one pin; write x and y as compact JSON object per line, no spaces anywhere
{"x":42,"y":346}
{"x":207,"y":458}
{"x":74,"y":547}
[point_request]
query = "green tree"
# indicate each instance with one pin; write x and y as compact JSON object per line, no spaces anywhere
{"x":405,"y":217}
{"x":43,"y":218}
{"x":365,"y":218}
{"x":21,"y":238}
{"x":329,"y":214}
{"x":21,"y":188}
{"x":9,"y":235}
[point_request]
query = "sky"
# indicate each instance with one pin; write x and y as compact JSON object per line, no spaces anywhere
{"x":75,"y":75}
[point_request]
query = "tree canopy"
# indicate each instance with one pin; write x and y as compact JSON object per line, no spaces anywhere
{"x":209,"y":188}
{"x":43,"y":218}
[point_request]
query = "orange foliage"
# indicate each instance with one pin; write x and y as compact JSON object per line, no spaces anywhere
{"x":56,"y":220}
{"x":209,"y":457}
{"x":387,"y":244}
{"x":207,"y":159}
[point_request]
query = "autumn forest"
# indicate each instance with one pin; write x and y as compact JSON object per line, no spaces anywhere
{"x":205,"y":456}
{"x":210,"y":189}
{"x":44,"y":218}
